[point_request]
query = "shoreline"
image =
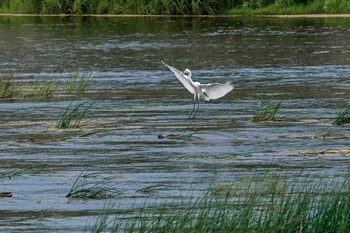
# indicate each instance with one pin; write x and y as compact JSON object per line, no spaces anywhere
{"x":182,"y":16}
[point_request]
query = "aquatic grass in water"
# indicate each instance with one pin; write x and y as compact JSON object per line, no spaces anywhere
{"x":254,"y":184}
{"x":45,"y":87}
{"x":77,"y":83}
{"x":11,"y":89}
{"x":82,"y":188}
{"x":8,"y":88}
{"x":321,"y":131}
{"x":343,"y":117}
{"x":257,"y":204}
{"x":35,"y":169}
{"x":102,"y":222}
{"x":266,"y":111}
{"x":74,"y":114}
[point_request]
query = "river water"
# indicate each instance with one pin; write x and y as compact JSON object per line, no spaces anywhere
{"x":302,"y":61}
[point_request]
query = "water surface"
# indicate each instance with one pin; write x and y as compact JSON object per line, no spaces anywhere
{"x":302,"y":61}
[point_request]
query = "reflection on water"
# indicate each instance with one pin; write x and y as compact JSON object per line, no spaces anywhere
{"x":302,"y":61}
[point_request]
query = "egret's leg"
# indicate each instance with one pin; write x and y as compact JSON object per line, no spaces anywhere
{"x":194,"y":107}
{"x":196,"y":98}
{"x":195,"y":113}
{"x":191,"y":118}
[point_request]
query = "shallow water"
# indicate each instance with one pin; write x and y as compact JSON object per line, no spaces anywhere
{"x":303,"y":62}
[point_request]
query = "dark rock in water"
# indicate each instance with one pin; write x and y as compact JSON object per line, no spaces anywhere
{"x":169,"y":136}
{"x":6,"y":194}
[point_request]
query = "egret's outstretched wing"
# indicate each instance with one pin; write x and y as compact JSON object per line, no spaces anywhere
{"x":183,"y":78}
{"x":216,"y":90}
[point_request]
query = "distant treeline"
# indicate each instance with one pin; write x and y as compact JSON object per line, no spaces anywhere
{"x":174,"y":7}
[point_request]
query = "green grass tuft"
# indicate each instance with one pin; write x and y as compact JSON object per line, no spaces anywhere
{"x":266,"y":111}
{"x":343,"y":117}
{"x":11,"y":89}
{"x":74,"y":114}
{"x":44,"y":88}
{"x":8,"y":87}
{"x":77,"y":83}
{"x":35,"y":169}
{"x":82,"y":188}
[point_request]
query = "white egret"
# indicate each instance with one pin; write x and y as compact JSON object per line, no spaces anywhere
{"x":200,"y":91}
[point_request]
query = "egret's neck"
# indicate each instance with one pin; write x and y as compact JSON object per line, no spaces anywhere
{"x":189,"y":75}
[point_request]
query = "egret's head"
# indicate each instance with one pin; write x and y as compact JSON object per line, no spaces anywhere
{"x":187,"y":72}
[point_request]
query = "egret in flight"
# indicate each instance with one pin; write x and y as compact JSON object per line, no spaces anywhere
{"x":200,"y":91}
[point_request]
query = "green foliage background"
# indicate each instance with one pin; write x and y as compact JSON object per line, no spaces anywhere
{"x":115,"y":6}
{"x":175,"y":7}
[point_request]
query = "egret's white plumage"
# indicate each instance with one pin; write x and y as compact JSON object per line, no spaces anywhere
{"x":201,"y":91}
{"x":186,"y":80}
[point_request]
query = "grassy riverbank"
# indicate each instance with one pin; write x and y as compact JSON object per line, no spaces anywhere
{"x":291,"y":7}
{"x":176,"y":7}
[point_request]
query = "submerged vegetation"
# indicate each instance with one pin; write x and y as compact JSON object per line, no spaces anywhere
{"x":266,"y":111}
{"x":255,"y":204}
{"x":175,"y":7}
